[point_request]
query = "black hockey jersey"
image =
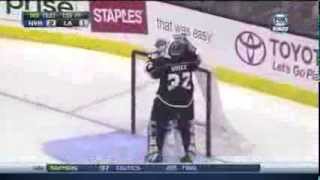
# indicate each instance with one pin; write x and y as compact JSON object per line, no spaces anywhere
{"x":176,"y":82}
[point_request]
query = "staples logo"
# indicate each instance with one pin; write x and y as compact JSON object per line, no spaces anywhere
{"x":119,"y":16}
{"x":38,"y":5}
{"x":127,"y":16}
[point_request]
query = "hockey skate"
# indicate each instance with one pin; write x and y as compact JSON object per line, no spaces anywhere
{"x":154,"y":158}
{"x":186,"y":159}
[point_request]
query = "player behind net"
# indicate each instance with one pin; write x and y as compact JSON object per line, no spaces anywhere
{"x":172,"y":63}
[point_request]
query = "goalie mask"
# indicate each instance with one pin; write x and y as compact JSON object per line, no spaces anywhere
{"x":180,"y":45}
{"x":177,"y":49}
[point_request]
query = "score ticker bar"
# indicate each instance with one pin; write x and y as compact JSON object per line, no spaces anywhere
{"x":56,"y":15}
{"x":154,"y":168}
{"x":56,"y":23}
{"x":56,"y":19}
{"x":275,"y":167}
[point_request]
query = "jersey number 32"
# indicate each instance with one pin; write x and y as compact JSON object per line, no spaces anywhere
{"x":175,"y":80}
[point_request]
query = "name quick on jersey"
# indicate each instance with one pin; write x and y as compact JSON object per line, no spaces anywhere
{"x":178,"y":68}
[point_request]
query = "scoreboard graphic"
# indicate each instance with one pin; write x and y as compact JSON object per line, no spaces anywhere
{"x":56,"y":19}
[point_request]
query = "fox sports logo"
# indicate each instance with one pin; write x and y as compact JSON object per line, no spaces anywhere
{"x":280,"y":22}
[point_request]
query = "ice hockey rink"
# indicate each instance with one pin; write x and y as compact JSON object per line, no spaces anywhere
{"x":69,"y":105}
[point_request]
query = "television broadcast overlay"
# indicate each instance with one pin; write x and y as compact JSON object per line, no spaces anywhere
{"x":159,"y":87}
{"x":55,"y":19}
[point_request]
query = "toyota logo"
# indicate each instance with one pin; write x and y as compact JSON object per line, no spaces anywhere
{"x":250,"y":48}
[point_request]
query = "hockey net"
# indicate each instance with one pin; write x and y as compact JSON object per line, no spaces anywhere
{"x":143,"y":91}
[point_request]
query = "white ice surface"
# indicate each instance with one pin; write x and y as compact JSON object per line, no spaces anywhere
{"x":52,"y":93}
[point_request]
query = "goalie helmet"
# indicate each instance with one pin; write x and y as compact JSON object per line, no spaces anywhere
{"x":176,"y":49}
{"x":180,"y":45}
{"x":183,"y":39}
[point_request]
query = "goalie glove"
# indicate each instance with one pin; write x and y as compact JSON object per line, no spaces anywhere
{"x":149,"y":66}
{"x":161,"y":46}
{"x":156,"y":67}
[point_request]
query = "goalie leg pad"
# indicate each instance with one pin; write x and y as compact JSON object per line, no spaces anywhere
{"x":152,"y":142}
{"x":160,"y":118}
{"x":186,"y":127}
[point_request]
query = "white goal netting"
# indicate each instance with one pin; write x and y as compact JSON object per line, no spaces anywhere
{"x":224,"y":138}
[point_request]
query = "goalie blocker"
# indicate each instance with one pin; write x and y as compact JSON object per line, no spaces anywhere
{"x":183,"y":111}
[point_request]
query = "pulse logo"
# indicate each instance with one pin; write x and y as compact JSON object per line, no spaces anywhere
{"x":38,"y":5}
